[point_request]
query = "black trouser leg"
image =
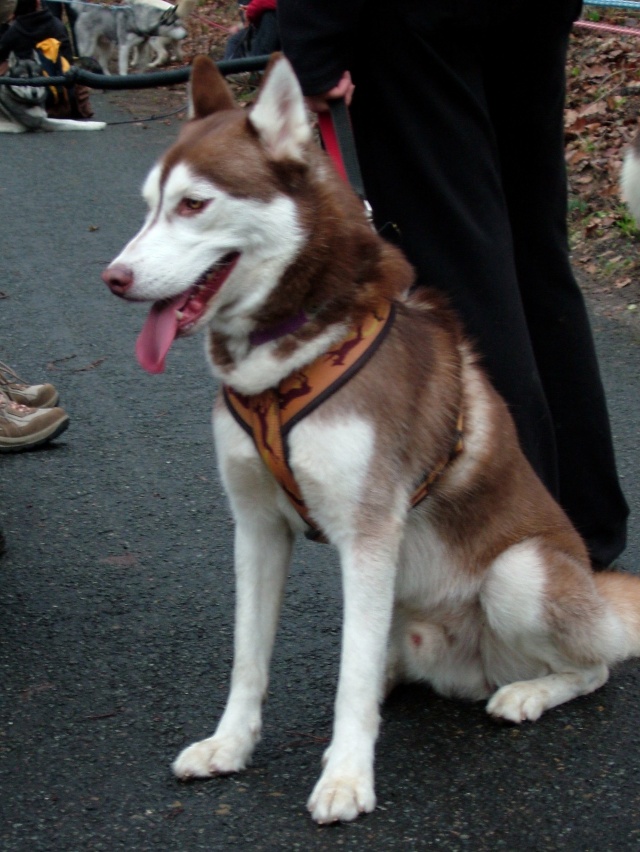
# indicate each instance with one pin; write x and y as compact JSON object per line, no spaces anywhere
{"x":529,"y":128}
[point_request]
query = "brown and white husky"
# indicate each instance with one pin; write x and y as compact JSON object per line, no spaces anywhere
{"x":484,"y":589}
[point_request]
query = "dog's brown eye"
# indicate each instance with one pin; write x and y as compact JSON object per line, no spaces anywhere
{"x":189,"y":206}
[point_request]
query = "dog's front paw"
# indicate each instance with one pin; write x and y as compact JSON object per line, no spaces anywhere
{"x":519,"y":702}
{"x":341,"y":797}
{"x":213,"y":756}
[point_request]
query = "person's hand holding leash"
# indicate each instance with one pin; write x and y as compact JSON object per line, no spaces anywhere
{"x":343,"y":89}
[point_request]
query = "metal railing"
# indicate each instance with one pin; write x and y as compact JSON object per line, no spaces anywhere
{"x":135,"y":81}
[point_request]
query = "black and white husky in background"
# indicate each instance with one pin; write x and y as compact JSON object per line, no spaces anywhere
{"x":22,"y":105}
{"x":139,"y":25}
{"x":161,"y":48}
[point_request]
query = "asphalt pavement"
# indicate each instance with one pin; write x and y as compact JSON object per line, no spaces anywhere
{"x":116,"y":593}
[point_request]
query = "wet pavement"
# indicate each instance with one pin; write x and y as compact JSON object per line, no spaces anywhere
{"x":116,"y":593}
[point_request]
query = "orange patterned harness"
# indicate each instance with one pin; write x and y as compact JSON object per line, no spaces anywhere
{"x":268,"y":417}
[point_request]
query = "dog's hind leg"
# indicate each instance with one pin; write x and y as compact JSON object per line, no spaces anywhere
{"x":85,"y":44}
{"x":103,"y":55}
{"x":142,"y":57}
{"x":553,"y":629}
{"x":162,"y":55}
{"x":123,"y":58}
{"x":101,"y":50}
{"x":610,"y":630}
{"x":263,"y":549}
{"x":527,"y":700}
{"x":90,"y":44}
{"x":126,"y":39}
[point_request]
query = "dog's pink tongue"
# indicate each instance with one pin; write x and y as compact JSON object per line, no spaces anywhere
{"x":157,"y":335}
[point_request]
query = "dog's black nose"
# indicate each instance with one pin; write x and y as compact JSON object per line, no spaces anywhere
{"x":119,"y":278}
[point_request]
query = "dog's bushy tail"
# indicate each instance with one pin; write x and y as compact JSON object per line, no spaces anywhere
{"x":622,"y":592}
{"x":630,"y":179}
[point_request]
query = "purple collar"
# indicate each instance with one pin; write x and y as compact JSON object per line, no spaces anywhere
{"x":288,"y":326}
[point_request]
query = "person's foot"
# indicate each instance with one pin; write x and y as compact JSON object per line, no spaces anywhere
{"x":35,"y":396}
{"x":23,"y":427}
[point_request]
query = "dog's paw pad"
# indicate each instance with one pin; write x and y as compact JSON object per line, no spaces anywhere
{"x":341,"y":799}
{"x":519,"y":702}
{"x":210,"y":757}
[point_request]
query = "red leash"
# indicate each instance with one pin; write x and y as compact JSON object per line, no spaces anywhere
{"x":330,"y":142}
{"x":337,"y":137}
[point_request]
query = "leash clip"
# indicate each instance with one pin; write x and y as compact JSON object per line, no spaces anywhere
{"x":368,"y":209}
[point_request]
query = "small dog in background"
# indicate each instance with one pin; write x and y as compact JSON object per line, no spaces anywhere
{"x":630,"y":178}
{"x":22,"y":107}
{"x":157,"y":23}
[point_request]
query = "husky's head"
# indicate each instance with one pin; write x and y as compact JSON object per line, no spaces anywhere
{"x":163,"y":22}
{"x":248,"y":225}
{"x":26,"y":69}
{"x":220,"y":229}
{"x":170,"y":27}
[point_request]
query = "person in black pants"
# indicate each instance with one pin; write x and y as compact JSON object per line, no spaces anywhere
{"x":458,"y":118}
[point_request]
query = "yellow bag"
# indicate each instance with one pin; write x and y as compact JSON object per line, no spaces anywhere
{"x":53,"y":65}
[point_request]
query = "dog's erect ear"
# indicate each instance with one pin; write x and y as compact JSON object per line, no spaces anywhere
{"x":208,"y":90}
{"x":279,"y":115}
{"x":168,"y":17}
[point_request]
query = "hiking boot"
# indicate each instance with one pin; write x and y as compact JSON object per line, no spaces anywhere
{"x":35,"y":396}
{"x":22,"y":428}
